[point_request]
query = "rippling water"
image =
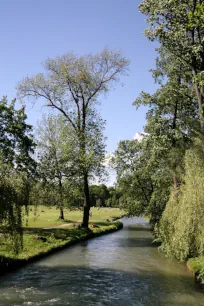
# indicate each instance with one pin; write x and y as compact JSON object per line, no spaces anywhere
{"x":120,"y":269}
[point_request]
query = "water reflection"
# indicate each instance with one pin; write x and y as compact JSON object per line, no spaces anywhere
{"x":123,"y":268}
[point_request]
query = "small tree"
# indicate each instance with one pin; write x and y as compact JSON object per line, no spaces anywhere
{"x":56,"y":155}
{"x":72,"y":85}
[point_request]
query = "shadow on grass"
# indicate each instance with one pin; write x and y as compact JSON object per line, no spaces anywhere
{"x":58,"y":233}
{"x":101,"y":223}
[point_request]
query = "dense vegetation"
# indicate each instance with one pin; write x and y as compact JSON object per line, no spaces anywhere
{"x":162,"y":175}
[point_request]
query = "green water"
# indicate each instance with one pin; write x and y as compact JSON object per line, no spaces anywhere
{"x":119,"y":269}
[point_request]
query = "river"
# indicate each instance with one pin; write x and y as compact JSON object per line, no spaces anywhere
{"x":119,"y":269}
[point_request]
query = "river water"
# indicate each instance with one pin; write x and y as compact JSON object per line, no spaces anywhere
{"x":119,"y":269}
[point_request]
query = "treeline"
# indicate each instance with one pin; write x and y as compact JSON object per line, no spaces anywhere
{"x":162,"y":175}
{"x":54,"y":163}
{"x":103,"y":196}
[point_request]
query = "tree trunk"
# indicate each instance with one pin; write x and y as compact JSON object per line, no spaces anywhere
{"x":61,"y":217}
{"x":85,"y":222}
{"x":200,"y":98}
{"x":61,"y":214}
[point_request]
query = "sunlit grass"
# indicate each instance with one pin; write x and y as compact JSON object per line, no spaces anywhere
{"x":42,"y":216}
{"x":41,"y":236}
{"x":41,"y":241}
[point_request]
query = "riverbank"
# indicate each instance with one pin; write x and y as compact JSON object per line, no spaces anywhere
{"x":196,"y":265}
{"x":39,"y":243}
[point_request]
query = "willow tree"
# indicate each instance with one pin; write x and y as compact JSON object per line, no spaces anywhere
{"x":71,"y":85}
{"x":17,"y":169}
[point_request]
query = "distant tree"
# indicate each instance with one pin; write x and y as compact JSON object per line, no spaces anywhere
{"x":99,"y":195}
{"x":133,"y":177}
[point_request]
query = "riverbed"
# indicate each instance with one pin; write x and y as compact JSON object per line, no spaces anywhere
{"x":119,"y":269}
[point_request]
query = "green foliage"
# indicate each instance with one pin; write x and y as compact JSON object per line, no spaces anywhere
{"x":196,"y":265}
{"x":71,"y":85}
{"x":99,"y":195}
{"x":17,"y":169}
{"x":16,"y":140}
{"x":181,"y":228}
{"x":134,"y":181}
{"x":179,"y":28}
{"x":175,"y":123}
{"x":60,"y":179}
{"x":48,"y":194}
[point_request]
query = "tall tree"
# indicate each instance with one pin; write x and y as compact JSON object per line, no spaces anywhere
{"x":71,"y":85}
{"x":179,"y":28}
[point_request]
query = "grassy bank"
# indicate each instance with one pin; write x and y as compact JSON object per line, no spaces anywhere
{"x":45,"y":234}
{"x":196,"y":265}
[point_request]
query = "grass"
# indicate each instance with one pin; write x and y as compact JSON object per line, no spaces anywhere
{"x":40,"y":238}
{"x":48,"y":216}
{"x":196,"y":265}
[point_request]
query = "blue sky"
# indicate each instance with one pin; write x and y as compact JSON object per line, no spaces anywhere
{"x":31,"y":31}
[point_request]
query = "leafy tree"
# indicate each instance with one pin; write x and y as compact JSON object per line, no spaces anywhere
{"x":134,"y":182}
{"x":17,"y":169}
{"x":179,"y":28}
{"x":72,"y":85}
{"x":56,"y":155}
{"x":115,"y":197}
{"x":172,"y":121}
{"x":147,"y":169}
{"x":16,"y":141}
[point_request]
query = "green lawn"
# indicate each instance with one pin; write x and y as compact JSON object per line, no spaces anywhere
{"x":40,"y":237}
{"x":40,"y":241}
{"x":46,"y":217}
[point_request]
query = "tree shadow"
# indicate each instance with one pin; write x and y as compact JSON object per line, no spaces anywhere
{"x":101,"y":223}
{"x":137,"y":242}
{"x":137,"y":228}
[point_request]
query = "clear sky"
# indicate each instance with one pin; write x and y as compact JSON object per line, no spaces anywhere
{"x":30,"y":31}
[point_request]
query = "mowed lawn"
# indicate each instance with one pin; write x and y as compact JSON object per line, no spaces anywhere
{"x":42,"y":216}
